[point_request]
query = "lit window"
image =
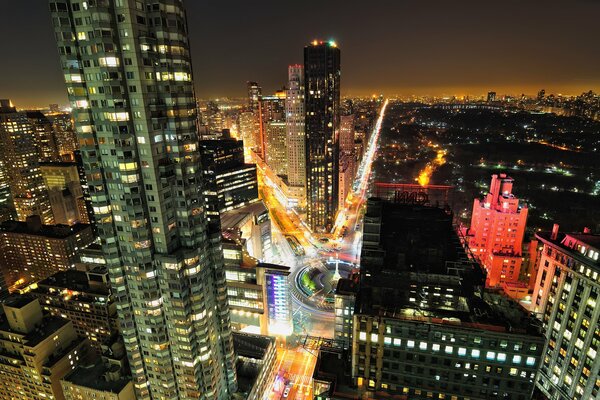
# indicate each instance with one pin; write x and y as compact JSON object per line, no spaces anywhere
{"x":109,"y":61}
{"x":448,"y":349}
{"x":423,"y":345}
{"x":475,"y":353}
{"x":516,"y":359}
{"x":435,"y":347}
{"x":374,"y":337}
{"x":490,"y":355}
{"x":501,"y":357}
{"x":462,"y":351}
{"x":362,"y":336}
{"x":410,"y":344}
{"x":530,"y":361}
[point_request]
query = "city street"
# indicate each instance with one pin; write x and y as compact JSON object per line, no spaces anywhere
{"x":312,"y":316}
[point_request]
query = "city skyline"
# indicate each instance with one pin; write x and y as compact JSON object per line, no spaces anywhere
{"x":481,"y":49}
{"x":299,"y":201}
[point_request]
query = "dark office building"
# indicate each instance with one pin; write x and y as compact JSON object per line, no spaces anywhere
{"x":322,"y":111}
{"x":424,"y":326}
{"x":229,"y":181}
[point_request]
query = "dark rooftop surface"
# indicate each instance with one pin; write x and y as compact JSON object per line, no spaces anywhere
{"x":49,"y":326}
{"x":58,"y":164}
{"x":414,"y":238}
{"x":332,"y":367}
{"x":420,"y":271}
{"x":18,"y":301}
{"x":92,"y":376}
{"x":252,"y":346}
{"x":70,"y":279}
{"x":50,"y":231}
{"x":346,"y":286}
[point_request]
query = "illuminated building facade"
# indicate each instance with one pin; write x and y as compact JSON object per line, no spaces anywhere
{"x":212,"y":117}
{"x":255,"y":107}
{"x":566,"y":295}
{"x":251,"y":224}
{"x":347,"y":134}
{"x":229,"y":182}
{"x":257,"y":363}
{"x":258,"y":292}
{"x":83,"y":297}
{"x":496,"y":234}
{"x":7,"y":207}
{"x":65,"y":192}
{"x":129,"y":81}
{"x":276,"y":149}
{"x":37,"y":351}
{"x":424,"y":326}
{"x":19,"y":156}
{"x":44,"y":138}
{"x":294,"y":119}
{"x":247,"y":123}
{"x":344,"y":300}
{"x":64,"y":133}
{"x":30,"y":251}
{"x":347,"y":172}
{"x":322,"y":122}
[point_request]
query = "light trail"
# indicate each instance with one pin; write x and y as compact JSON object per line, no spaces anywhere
{"x":361,"y":183}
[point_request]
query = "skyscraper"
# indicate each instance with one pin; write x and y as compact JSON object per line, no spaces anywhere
{"x":276,"y":149}
{"x":44,"y":136}
{"x":322,"y":121}
{"x":294,"y":119}
{"x":19,"y":156}
{"x":128,"y":71}
{"x":255,"y":107}
{"x":497,"y":230}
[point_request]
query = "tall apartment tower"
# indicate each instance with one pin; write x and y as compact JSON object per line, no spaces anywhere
{"x":294,"y":119}
{"x":322,"y":121}
{"x":19,"y":156}
{"x":497,"y":229}
{"x":128,"y":72}
{"x":255,"y":107}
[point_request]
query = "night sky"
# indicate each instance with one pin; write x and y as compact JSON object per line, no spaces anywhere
{"x":435,"y":47}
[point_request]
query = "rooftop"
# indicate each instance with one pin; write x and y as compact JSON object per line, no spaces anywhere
{"x":404,"y":238}
{"x":94,"y":377}
{"x":18,"y":301}
{"x":251,"y":346}
{"x":234,"y":218}
{"x":41,"y":332}
{"x":49,"y":231}
{"x":417,"y":269}
{"x":72,"y":280}
{"x":584,"y":247}
{"x":58,"y":164}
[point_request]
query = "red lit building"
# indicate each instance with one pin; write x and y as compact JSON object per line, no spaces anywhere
{"x":496,"y":232}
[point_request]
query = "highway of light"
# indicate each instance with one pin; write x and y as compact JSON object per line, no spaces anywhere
{"x":361,"y":184}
